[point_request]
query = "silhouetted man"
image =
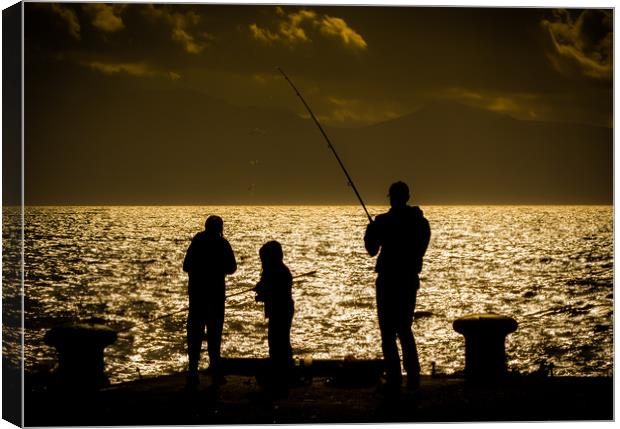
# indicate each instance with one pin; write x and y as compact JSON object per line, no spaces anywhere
{"x":402,"y":234}
{"x":208,"y":260}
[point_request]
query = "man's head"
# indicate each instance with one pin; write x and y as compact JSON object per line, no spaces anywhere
{"x":399,"y":194}
{"x":214,"y":225}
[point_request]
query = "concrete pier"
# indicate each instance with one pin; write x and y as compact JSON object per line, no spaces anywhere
{"x":165,"y":401}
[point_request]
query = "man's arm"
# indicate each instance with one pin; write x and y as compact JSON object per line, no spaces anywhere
{"x":372,"y":240}
{"x":189,"y":256}
{"x":425,"y":236}
{"x":230,"y":263}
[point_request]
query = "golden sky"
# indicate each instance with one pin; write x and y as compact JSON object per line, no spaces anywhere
{"x":106,"y":82}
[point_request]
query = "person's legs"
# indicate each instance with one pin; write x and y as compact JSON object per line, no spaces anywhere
{"x":214,"y":340}
{"x":410,"y":353}
{"x":215,"y":327}
{"x":287,"y":352}
{"x":406,"y":337}
{"x":280,"y":350}
{"x":195,"y":331}
{"x":387,"y":327}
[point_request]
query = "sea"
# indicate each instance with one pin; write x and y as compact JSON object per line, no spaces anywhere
{"x":548,"y":267}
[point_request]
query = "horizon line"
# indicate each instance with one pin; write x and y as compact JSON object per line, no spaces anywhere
{"x":307,"y":205}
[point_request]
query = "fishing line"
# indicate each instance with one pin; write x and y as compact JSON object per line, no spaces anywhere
{"x":147,"y":322}
{"x":537,"y":315}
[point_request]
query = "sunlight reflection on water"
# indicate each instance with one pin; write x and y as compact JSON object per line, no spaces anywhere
{"x":124,"y":264}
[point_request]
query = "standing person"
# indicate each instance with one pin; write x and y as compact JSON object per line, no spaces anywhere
{"x":275,"y":290}
{"x":208,"y":260}
{"x":402,"y":234}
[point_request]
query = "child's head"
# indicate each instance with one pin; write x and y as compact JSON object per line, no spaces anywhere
{"x":271,"y":253}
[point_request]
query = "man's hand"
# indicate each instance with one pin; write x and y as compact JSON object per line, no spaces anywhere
{"x":371,"y":239}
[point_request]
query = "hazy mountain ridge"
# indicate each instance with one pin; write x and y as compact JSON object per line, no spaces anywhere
{"x":472,"y":155}
{"x":450,"y":153}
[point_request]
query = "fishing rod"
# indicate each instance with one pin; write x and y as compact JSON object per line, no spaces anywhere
{"x":557,"y":310}
{"x":309,"y":273}
{"x":329,"y":143}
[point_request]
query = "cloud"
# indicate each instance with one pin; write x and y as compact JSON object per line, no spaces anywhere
{"x":69,"y":17}
{"x":289,"y":28}
{"x":263,"y":35}
{"x":174,"y":75}
{"x":352,"y":111}
{"x":584,"y":44}
{"x":184,"y":28}
{"x":293,"y":28}
{"x":106,"y":17}
{"x":570,"y":106}
{"x":338,"y":27}
{"x":264,"y":78}
{"x":132,"y":69}
{"x":519,"y":105}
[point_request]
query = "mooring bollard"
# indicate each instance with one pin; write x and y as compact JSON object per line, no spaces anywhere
{"x":485,"y":353}
{"x":80,"y":353}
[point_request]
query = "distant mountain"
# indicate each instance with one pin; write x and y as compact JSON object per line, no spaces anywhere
{"x":460,"y":154}
{"x":176,"y":146}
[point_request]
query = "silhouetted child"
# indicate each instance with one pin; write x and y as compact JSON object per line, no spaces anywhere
{"x":275,"y":290}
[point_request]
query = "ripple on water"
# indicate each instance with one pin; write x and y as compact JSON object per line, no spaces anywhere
{"x":549,"y":267}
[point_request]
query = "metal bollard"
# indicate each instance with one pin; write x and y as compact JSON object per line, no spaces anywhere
{"x":485,"y":353}
{"x":80,"y":353}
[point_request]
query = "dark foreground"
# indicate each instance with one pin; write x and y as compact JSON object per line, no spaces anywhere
{"x":164,"y":401}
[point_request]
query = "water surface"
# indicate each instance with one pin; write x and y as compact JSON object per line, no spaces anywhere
{"x":549,"y":267}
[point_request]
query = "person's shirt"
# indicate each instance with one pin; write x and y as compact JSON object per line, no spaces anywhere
{"x":209,"y":258}
{"x":402,"y":234}
{"x":275,"y":290}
